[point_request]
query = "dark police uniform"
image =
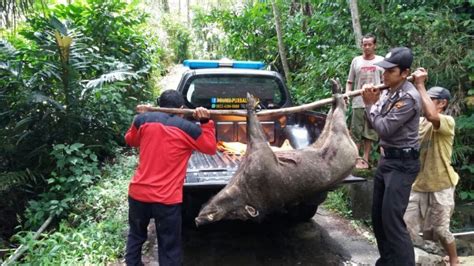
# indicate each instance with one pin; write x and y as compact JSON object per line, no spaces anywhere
{"x":395,"y":117}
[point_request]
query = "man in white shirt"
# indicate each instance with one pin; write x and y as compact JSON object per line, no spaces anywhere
{"x":363,"y":71}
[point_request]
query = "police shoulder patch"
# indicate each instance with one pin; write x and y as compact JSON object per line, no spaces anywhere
{"x":399,"y":104}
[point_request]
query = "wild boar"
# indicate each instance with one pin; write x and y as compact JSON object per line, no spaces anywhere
{"x":268,"y":181}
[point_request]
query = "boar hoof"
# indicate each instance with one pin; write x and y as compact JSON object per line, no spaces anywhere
{"x":252,"y":101}
{"x":251,"y":210}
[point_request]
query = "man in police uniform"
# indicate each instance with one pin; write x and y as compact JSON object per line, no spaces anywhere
{"x":395,"y":117}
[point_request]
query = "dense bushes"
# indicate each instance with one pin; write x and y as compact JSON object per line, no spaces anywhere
{"x":179,"y":39}
{"x":95,"y":228}
{"x":70,"y":78}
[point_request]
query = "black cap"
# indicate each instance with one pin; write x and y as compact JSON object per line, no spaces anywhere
{"x":401,"y":57}
{"x":439,"y":93}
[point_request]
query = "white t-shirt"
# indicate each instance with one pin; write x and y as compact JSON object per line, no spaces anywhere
{"x":363,"y":72}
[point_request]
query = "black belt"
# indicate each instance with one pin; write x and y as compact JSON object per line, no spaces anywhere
{"x":401,"y":153}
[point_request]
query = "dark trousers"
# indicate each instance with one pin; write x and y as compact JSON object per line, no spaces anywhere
{"x":168,"y":231}
{"x":392,"y":185}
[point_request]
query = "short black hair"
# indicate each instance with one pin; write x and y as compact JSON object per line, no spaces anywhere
{"x":170,"y":99}
{"x":369,"y":36}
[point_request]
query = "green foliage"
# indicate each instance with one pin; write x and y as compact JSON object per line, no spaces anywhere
{"x":96,"y":243}
{"x":72,"y":73}
{"x":208,"y":35}
{"x":313,"y":82}
{"x":179,"y":39}
{"x":467,"y":195}
{"x":64,"y":81}
{"x":338,"y":201}
{"x":313,"y":42}
{"x":94,"y":231}
{"x":11,"y":179}
{"x":76,"y":169}
{"x":463,"y":156}
{"x":320,"y":43}
{"x":248,"y":33}
{"x":437,"y":32}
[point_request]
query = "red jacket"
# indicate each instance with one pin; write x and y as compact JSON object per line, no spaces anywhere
{"x":165,"y":142}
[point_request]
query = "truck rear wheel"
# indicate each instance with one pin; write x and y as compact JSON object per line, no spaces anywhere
{"x":303,"y":212}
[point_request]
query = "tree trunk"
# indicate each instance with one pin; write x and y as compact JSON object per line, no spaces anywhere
{"x":307,"y":9}
{"x":11,"y":10}
{"x":294,"y":7}
{"x":188,"y":18}
{"x":355,"y":22}
{"x":281,"y":45}
{"x":166,"y":6}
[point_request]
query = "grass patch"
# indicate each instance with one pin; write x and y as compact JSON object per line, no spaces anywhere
{"x":338,"y":202}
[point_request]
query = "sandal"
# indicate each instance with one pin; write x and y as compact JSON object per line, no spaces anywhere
{"x":361,"y":163}
{"x":447,"y":261}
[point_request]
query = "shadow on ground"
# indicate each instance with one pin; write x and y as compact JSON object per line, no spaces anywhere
{"x":275,"y":243}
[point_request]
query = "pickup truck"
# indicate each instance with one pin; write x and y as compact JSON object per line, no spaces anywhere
{"x":223,"y":85}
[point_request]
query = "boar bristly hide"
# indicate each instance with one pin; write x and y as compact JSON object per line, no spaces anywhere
{"x":267,"y":181}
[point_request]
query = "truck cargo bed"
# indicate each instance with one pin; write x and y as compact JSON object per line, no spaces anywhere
{"x":215,"y":171}
{"x":211,"y":170}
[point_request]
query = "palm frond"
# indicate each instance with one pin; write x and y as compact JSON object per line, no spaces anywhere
{"x":16,"y":178}
{"x":116,"y":75}
{"x":7,"y":50}
{"x":39,"y":97}
{"x":9,"y":60}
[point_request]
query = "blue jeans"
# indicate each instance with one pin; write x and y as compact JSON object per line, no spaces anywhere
{"x":168,"y":231}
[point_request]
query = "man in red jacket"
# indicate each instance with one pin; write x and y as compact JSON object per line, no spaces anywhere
{"x":166,"y":142}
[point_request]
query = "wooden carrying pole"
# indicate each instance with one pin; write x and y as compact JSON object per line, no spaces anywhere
{"x":282,"y":111}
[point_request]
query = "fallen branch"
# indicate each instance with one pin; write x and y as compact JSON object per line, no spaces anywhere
{"x":23,"y":248}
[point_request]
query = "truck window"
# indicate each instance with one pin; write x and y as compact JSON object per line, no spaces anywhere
{"x":230,"y":92}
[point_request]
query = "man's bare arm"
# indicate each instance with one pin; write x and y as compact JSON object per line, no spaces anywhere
{"x":429,"y":108}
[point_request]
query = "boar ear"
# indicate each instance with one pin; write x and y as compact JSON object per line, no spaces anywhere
{"x":251,"y":211}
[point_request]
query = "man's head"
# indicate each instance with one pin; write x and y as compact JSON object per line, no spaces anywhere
{"x":397,"y":65}
{"x":368,"y":44}
{"x":440,"y":97}
{"x":170,"y":99}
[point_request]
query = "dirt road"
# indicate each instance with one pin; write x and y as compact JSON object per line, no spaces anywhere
{"x":326,"y":240}
{"x":171,"y":80}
